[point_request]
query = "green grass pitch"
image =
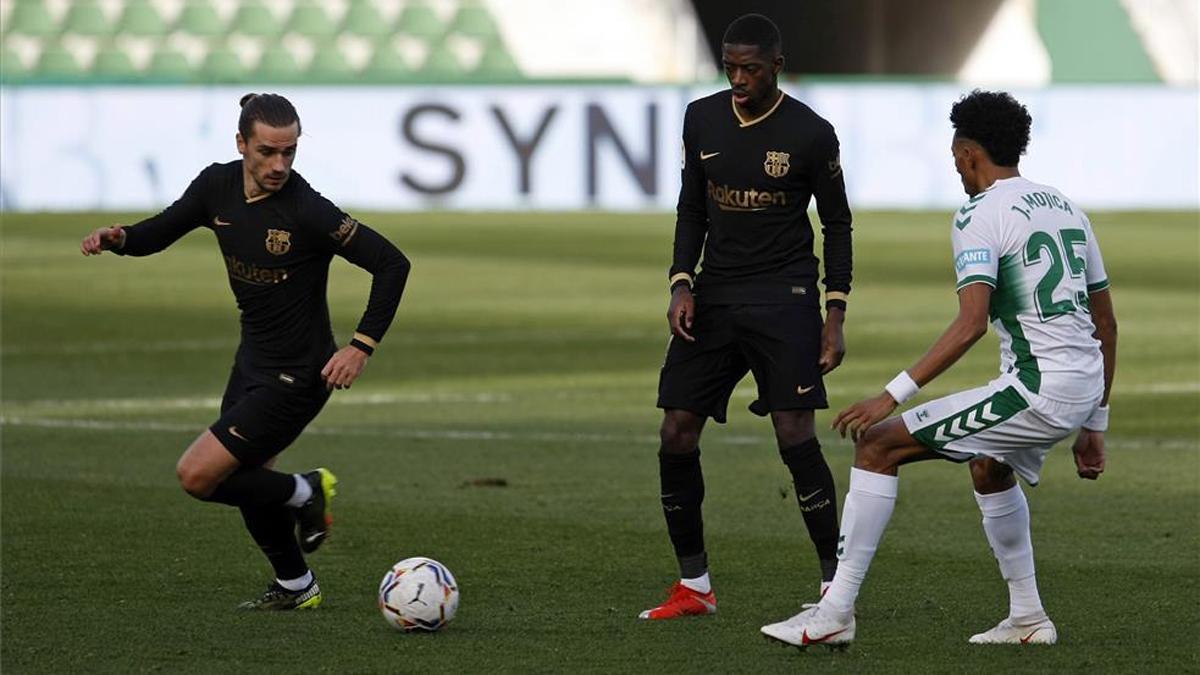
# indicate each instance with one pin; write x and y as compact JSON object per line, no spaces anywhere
{"x":527,"y":348}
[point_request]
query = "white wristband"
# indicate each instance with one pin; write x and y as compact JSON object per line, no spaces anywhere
{"x":902,"y":387}
{"x":1098,"y":421}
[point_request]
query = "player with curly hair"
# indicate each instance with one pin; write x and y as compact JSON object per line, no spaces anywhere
{"x":1026,"y":257}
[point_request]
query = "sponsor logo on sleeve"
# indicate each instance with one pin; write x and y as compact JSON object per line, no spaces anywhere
{"x":345,"y":231}
{"x":972,"y":256}
{"x":835,"y":165}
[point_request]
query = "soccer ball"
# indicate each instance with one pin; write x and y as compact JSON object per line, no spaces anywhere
{"x":418,"y":594}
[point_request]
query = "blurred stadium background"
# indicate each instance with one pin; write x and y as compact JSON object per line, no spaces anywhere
{"x":525,"y":154}
{"x":541,"y":104}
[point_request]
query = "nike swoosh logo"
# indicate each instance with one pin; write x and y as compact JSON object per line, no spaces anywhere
{"x":805,"y":390}
{"x":217,"y":221}
{"x":805,"y":498}
{"x":811,"y":640}
{"x":313,"y":537}
{"x":708,"y":155}
{"x":1027,"y":638}
{"x":234,"y":432}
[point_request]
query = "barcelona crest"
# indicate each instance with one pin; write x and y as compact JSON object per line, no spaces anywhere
{"x":278,"y":241}
{"x":776,"y":165}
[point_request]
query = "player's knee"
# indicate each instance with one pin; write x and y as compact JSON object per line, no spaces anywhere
{"x":793,"y":429}
{"x":678,"y":437}
{"x":193,"y":482}
{"x":872,"y":453}
{"x":991,"y":476}
{"x":802,"y":455}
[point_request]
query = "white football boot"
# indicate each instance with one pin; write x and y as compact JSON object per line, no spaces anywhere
{"x":1007,"y":632}
{"x":814,"y":626}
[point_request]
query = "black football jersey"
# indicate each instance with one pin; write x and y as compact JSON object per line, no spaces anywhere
{"x":744,"y":204}
{"x":277,"y":250}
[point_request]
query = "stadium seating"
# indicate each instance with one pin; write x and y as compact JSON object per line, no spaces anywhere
{"x":140,"y":18}
{"x":113,"y":64}
{"x":86,"y":18}
{"x":260,"y":41}
{"x":363,"y":19}
{"x":199,"y":18}
{"x":32,"y":19}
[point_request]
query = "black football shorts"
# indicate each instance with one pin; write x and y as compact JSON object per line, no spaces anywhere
{"x":780,"y":344}
{"x":261,"y":414}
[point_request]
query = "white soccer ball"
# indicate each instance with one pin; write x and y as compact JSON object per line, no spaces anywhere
{"x":418,"y":594}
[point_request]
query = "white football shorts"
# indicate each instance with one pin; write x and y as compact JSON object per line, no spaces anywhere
{"x":1001,"y":420}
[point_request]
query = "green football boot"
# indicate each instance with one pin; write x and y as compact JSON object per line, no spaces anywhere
{"x":278,"y":598}
{"x":315,"y":518}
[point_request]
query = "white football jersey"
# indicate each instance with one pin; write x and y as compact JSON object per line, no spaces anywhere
{"x":1038,"y":252}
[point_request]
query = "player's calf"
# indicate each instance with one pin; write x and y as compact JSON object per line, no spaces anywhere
{"x":315,"y":517}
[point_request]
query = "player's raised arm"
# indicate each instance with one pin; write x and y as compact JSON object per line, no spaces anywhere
{"x":156,"y":232}
{"x":966,"y":329}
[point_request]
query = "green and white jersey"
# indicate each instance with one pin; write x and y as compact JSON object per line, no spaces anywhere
{"x":1038,"y":251}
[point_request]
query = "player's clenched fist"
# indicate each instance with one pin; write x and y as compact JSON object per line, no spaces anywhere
{"x":102,"y":240}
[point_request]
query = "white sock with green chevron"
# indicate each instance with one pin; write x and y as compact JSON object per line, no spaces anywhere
{"x":1006,"y":523}
{"x":868,"y":508}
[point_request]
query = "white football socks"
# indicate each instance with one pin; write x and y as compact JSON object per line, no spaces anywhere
{"x":297,"y":584}
{"x":1006,"y":523}
{"x":302,"y":494}
{"x":869,"y":504}
{"x":700,"y":584}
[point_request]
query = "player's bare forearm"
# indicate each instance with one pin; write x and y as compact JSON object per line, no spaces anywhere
{"x":833,"y":341}
{"x":344,"y":367}
{"x":1105,"y":319}
{"x":964,"y":331}
{"x":959,"y":336}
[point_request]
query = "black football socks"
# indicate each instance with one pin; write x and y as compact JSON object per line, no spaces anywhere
{"x":817,"y":499}
{"x":682,"y":495}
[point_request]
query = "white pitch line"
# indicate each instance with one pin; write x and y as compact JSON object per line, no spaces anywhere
{"x":382,"y":398}
{"x":1155,"y":389}
{"x":717,"y":438}
{"x":497,"y":337}
{"x":121,"y":347}
{"x":212,"y":402}
{"x":411,"y":434}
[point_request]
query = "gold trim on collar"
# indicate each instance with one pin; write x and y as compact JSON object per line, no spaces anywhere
{"x":251,"y":200}
{"x":743,"y":123}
